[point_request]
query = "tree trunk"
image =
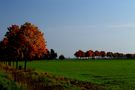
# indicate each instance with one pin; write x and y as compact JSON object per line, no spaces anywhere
{"x":9,"y":63}
{"x":16,"y":63}
{"x":25,"y":64}
{"x":13,"y":63}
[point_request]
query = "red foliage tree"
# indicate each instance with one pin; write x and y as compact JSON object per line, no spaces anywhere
{"x":90,"y":53}
{"x":32,"y":41}
{"x":5,"y":42}
{"x":103,"y":54}
{"x":26,"y":41}
{"x":79,"y":54}
{"x":97,"y":53}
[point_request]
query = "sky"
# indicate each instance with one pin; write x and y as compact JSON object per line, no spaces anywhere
{"x":70,"y":25}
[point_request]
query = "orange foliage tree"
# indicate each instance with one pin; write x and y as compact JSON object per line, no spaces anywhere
{"x":90,"y":53}
{"x":103,"y":54}
{"x":79,"y":54}
{"x":26,"y":41}
{"x":97,"y":54}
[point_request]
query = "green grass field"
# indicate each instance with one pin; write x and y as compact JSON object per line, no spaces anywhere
{"x":6,"y":83}
{"x":114,"y":74}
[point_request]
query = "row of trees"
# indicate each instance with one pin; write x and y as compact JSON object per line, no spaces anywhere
{"x":51,"y":55}
{"x":101,"y":54}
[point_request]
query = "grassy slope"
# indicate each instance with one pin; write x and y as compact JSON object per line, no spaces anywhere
{"x":6,"y":83}
{"x":117,"y":74}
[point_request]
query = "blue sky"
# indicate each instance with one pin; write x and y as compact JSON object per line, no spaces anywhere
{"x":70,"y":25}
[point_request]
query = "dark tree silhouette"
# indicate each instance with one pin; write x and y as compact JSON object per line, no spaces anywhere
{"x":116,"y":55}
{"x":109,"y":54}
{"x":61,"y":57}
{"x":129,"y":56}
{"x":103,"y":54}
{"x":53,"y":54}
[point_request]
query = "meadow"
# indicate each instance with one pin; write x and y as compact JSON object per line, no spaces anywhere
{"x":113,"y":74}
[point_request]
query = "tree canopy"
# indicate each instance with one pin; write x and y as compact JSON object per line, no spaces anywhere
{"x":26,"y":41}
{"x":23,"y":42}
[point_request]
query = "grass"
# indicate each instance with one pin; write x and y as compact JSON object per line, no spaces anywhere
{"x":114,"y":74}
{"x":33,"y":80}
{"x":6,"y":83}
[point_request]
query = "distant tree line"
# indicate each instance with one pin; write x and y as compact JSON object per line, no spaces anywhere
{"x":102,"y":55}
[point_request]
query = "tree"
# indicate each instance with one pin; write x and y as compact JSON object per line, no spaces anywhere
{"x":103,"y":54}
{"x":46,"y":55}
{"x":53,"y":54}
{"x":61,"y":57}
{"x":97,"y":54}
{"x":129,"y":56}
{"x":90,"y":53}
{"x":116,"y":55}
{"x":12,"y":36}
{"x":79,"y":54}
{"x":109,"y":54}
{"x":3,"y":50}
{"x":26,"y":41}
{"x":120,"y":55}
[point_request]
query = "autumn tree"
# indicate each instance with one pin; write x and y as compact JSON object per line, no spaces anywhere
{"x":97,"y":54}
{"x":90,"y":53}
{"x":3,"y":50}
{"x":103,"y":54}
{"x":26,"y":41}
{"x":6,"y":53}
{"x":79,"y":54}
{"x":12,"y":46}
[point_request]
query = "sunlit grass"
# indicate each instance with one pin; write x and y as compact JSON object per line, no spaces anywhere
{"x":117,"y":74}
